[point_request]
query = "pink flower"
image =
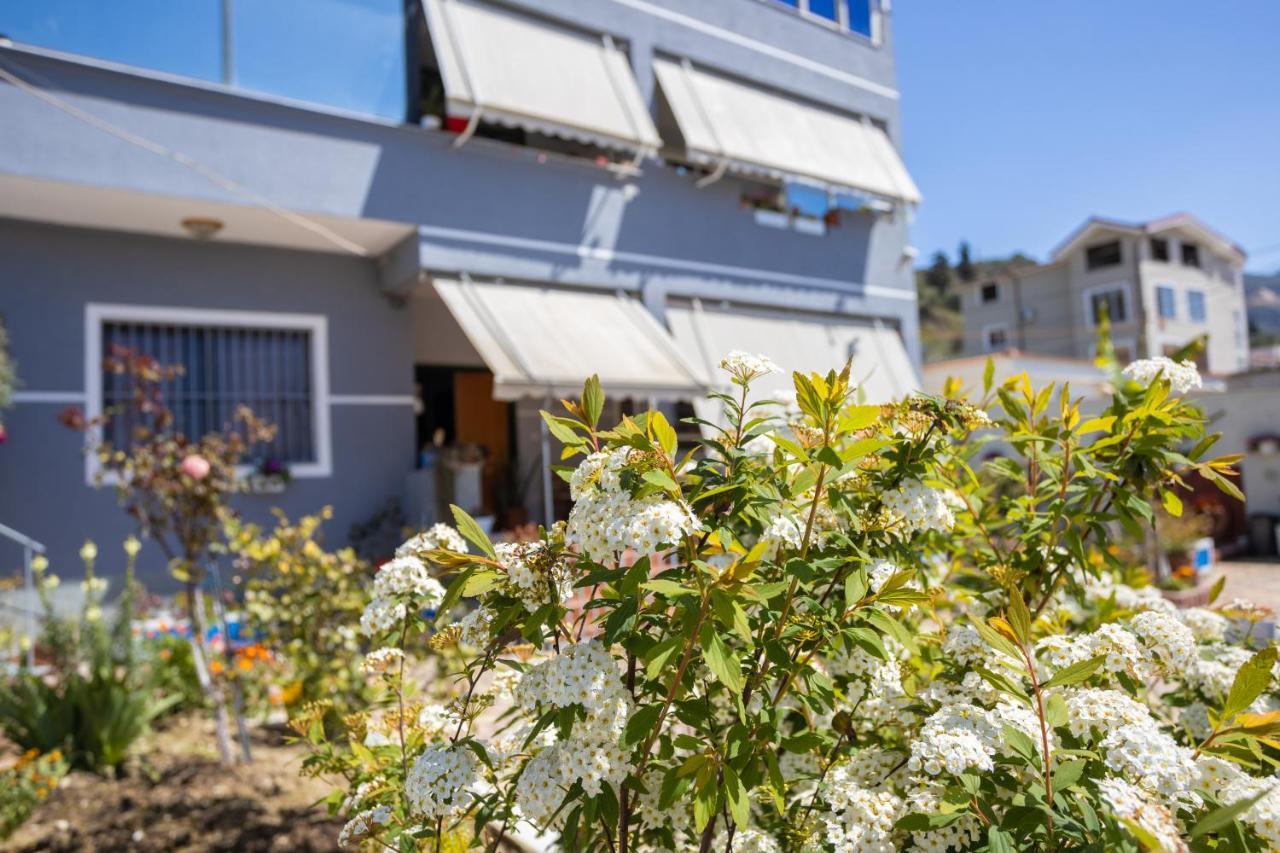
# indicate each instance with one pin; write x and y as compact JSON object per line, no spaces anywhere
{"x":4,"y":434}
{"x":195,"y":466}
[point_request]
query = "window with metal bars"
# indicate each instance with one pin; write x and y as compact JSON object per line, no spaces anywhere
{"x":268,"y":370}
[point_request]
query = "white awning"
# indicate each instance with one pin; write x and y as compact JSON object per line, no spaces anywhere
{"x":816,"y":343}
{"x":541,"y":341}
{"x":748,"y":129}
{"x":527,"y":72}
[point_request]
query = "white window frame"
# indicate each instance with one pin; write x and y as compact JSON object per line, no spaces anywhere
{"x":986,"y":337}
{"x":1173,"y":295}
{"x":1121,"y":286}
{"x":841,"y":23}
{"x":96,"y":314}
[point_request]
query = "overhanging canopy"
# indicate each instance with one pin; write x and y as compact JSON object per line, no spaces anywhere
{"x":795,"y":341}
{"x":541,"y":341}
{"x":752,"y":130}
{"x":526,"y":72}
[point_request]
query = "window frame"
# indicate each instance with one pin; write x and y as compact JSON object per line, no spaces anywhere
{"x":1173,"y":302}
{"x":1121,"y":287}
{"x":96,"y":314}
{"x":841,"y":23}
{"x":986,"y":337}
{"x":1089,"y":266}
{"x":1194,"y":294}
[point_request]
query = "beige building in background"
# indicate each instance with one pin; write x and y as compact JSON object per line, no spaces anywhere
{"x":1162,"y":283}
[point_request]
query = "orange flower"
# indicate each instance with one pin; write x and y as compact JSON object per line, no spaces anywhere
{"x":215,"y":666}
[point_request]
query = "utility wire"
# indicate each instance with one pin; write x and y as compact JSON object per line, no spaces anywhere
{"x":206,"y":172}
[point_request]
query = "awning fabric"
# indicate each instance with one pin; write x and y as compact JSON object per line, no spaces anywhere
{"x":541,"y":341}
{"x":526,"y":72}
{"x":794,"y":341}
{"x":754,"y":131}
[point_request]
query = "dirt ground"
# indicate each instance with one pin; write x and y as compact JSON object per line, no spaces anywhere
{"x":177,"y":797}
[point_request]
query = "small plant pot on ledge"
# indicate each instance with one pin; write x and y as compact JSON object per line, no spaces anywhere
{"x":265,"y":484}
{"x":1196,"y":595}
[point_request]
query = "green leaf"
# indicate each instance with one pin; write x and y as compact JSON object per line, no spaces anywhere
{"x":1224,"y":815}
{"x":661,"y":479}
{"x":1251,"y":679}
{"x":669,"y":588}
{"x":471,"y":531}
{"x":739,"y":802}
{"x":1003,"y":683}
{"x":988,"y":375}
{"x":855,"y":587}
{"x":722,"y":662}
{"x":641,"y":723}
{"x":1067,"y":773}
{"x":592,"y":400}
{"x":999,"y":841}
{"x":560,"y":428}
{"x":704,"y":803}
{"x":1172,"y":503}
{"x":658,"y":656}
{"x":996,"y":640}
{"x":1021,"y":743}
{"x":1075,"y":673}
{"x":1216,"y":589}
{"x":663,"y":432}
{"x":828,"y":456}
{"x":1019,"y":617}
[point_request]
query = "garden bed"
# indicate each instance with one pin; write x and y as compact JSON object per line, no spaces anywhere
{"x":177,"y":796}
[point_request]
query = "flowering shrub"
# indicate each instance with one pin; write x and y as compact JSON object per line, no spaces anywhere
{"x":26,"y":784}
{"x":825,"y":629}
{"x":8,"y":378}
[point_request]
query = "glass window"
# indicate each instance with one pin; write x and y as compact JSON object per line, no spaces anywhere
{"x":823,"y":9}
{"x":1190,"y":255}
{"x":1102,"y":255}
{"x":990,"y":292}
{"x":1166,"y":303}
{"x":996,"y":339}
{"x":347,"y":54}
{"x":1112,"y":303}
{"x":224,"y":367}
{"x":179,"y":38}
{"x":1159,"y":249}
{"x":858,"y":16}
{"x":1196,"y":308}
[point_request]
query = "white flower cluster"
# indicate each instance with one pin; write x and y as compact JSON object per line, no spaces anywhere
{"x":879,"y":572}
{"x":606,"y":520}
{"x":965,"y":646}
{"x":744,"y":366}
{"x":1121,"y":650}
{"x":381,"y":660}
{"x":913,"y":506}
{"x":433,"y":538}
{"x":959,"y":835}
{"x":875,"y":687}
{"x":1133,"y":803}
{"x":859,"y":820}
{"x":748,"y":840}
{"x":1207,"y":626}
{"x":1214,"y":670}
{"x":1093,"y":712}
{"x":437,"y":720}
{"x":1231,"y":785}
{"x":1181,"y":375}
{"x":440,"y":781}
{"x":475,"y":627}
{"x":955,"y":739}
{"x":1153,"y":759}
{"x":784,"y":530}
{"x":363,"y":824}
{"x":1169,"y":641}
{"x":400,"y":584}
{"x":584,"y":675}
{"x":1127,"y":597}
{"x":531,"y":573}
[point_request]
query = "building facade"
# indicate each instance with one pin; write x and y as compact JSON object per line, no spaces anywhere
{"x":1161,"y":284}
{"x":473,"y":205}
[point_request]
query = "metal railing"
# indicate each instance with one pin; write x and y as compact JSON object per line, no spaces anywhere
{"x":30,"y":548}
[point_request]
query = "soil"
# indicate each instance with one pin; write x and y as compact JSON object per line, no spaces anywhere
{"x":177,"y":797}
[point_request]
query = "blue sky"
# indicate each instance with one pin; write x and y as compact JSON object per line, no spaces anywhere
{"x":1023,"y":117}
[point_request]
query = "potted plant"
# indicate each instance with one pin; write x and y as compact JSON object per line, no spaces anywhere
{"x":269,"y":477}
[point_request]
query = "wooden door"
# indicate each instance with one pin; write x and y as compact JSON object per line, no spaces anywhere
{"x":481,"y":420}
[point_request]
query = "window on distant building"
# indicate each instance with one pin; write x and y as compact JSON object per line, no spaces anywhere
{"x":1190,"y":255}
{"x":1159,"y":249}
{"x":1196,"y":308}
{"x":995,"y":338}
{"x":1166,"y":302}
{"x":852,"y":15}
{"x":274,"y":364}
{"x":990,"y":292}
{"x":1102,"y":255}
{"x":1111,"y":301}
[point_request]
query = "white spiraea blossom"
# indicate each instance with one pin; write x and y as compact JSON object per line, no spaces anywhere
{"x":744,"y":366}
{"x":955,"y":739}
{"x":437,"y":536}
{"x":381,"y":660}
{"x":440,"y":781}
{"x":913,"y":507}
{"x":858,"y":818}
{"x":364,"y":824}
{"x":1206,"y":625}
{"x":532,"y":573}
{"x":400,"y":584}
{"x":1170,"y":642}
{"x":1131,"y":802}
{"x":1181,"y":375}
{"x":475,"y":627}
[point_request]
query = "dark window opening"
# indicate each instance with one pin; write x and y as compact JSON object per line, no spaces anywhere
{"x":990,"y":292}
{"x":1159,"y":249}
{"x":1102,"y":255}
{"x":1166,"y":303}
{"x":1190,"y":255}
{"x":1111,"y":304}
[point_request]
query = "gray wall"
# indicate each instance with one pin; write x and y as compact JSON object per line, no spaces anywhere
{"x":49,"y":274}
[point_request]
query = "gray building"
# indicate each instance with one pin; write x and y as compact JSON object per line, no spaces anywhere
{"x":442,"y":217}
{"x":1161,"y":284}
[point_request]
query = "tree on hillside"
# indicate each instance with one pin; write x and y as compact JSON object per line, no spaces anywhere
{"x":938,"y":276}
{"x":964,"y":267}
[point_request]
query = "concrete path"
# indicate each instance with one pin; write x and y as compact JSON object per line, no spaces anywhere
{"x":1258,"y":582}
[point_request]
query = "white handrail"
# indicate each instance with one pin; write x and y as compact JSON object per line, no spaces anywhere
{"x":29,"y":547}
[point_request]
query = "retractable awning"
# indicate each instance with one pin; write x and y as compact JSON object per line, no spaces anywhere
{"x":795,"y":341}
{"x":732,"y":124}
{"x":521,"y":71}
{"x":542,"y":341}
